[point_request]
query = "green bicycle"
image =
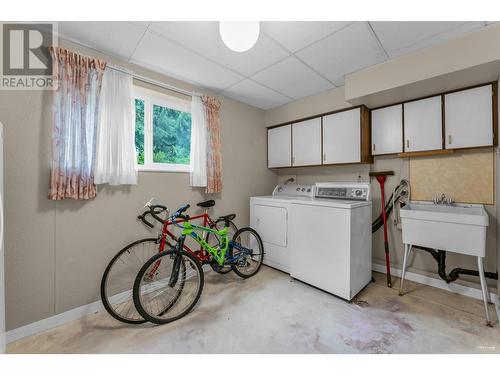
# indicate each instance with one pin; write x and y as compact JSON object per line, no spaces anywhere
{"x":170,"y":283}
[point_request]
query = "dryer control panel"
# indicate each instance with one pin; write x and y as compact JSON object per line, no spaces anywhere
{"x":294,"y":190}
{"x":343,"y":190}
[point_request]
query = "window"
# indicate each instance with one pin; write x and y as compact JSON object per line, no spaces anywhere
{"x":162,"y":132}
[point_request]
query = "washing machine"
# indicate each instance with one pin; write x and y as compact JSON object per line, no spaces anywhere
{"x":331,"y":238}
{"x":270,"y":215}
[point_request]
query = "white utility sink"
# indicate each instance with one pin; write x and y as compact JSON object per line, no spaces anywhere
{"x":457,"y":228}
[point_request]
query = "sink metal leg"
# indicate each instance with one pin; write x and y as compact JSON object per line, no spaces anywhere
{"x":484,"y":290}
{"x":405,"y":265}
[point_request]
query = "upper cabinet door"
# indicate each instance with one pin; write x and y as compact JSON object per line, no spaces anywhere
{"x":306,"y":140}
{"x":469,"y":118}
{"x":342,"y":137}
{"x":387,"y":130}
{"x":423,"y":125}
{"x":279,"y":146}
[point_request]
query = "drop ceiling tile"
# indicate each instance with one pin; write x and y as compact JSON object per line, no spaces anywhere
{"x":346,"y":51}
{"x":160,"y":54}
{"x":292,"y":78}
{"x":204,"y":39}
{"x":255,"y":95}
{"x":116,"y":38}
{"x":399,"y":38}
{"x":141,"y":23}
{"x":295,"y":35}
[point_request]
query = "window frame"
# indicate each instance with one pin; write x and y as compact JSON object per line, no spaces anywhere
{"x":150,"y":99}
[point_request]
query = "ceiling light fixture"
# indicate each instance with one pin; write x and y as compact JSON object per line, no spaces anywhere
{"x":239,"y":36}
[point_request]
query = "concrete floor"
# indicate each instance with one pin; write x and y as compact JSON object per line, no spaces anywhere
{"x":271,"y":313}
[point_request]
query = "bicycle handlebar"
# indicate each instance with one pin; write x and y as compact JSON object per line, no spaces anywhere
{"x":182,"y":209}
{"x":154,"y":211}
{"x":179,"y":215}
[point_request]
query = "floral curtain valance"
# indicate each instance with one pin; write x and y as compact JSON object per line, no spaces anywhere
{"x":74,"y":123}
{"x":214,"y":158}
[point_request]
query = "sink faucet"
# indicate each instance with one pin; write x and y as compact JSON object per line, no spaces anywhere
{"x":443,"y":200}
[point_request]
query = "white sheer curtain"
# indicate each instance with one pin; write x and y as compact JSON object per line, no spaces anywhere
{"x":75,"y":113}
{"x":116,"y":162}
{"x":198,"y":154}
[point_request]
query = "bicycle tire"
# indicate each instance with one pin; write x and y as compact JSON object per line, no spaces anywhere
{"x":235,"y":267}
{"x":140,"y":277}
{"x":108,"y":305}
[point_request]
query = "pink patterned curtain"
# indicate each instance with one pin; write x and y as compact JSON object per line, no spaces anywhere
{"x":214,"y":159}
{"x":74,"y":124}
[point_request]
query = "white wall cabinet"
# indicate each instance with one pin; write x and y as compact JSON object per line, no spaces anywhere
{"x":469,"y":118}
{"x":387,"y":130}
{"x":306,"y":142}
{"x":279,"y":146}
{"x":423,"y":129}
{"x":460,"y":119}
{"x":342,"y":137}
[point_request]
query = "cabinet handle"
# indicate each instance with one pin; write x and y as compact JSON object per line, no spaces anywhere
{"x":293,"y":160}
{"x":324,"y":157}
{"x":407,"y":143}
{"x":449,"y":139}
{"x":374,"y":147}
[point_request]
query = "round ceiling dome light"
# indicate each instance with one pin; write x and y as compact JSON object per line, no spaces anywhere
{"x":239,"y":36}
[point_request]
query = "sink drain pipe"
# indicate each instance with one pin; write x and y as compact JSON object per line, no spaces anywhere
{"x":438,"y":255}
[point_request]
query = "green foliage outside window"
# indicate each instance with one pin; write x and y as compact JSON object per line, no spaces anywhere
{"x":139,"y":130}
{"x":171,"y":134}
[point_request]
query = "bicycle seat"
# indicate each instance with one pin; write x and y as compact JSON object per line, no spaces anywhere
{"x":206,"y":204}
{"x":227,"y":217}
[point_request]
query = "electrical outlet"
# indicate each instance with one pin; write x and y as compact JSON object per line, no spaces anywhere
{"x":283,"y":178}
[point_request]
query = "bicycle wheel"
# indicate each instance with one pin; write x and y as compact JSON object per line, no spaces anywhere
{"x":212,"y":240}
{"x":247,"y":251}
{"x":162,"y":297}
{"x":118,"y":279}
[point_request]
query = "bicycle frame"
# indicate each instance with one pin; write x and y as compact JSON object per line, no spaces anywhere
{"x":218,"y":253}
{"x":201,"y":255}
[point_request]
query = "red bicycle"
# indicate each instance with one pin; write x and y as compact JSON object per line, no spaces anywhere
{"x":119,"y":276}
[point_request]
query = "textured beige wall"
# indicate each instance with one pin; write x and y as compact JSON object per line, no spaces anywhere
{"x":56,"y":252}
{"x":467,"y":176}
{"x":330,"y":100}
{"x":473,"y":58}
{"x":421,"y":262}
